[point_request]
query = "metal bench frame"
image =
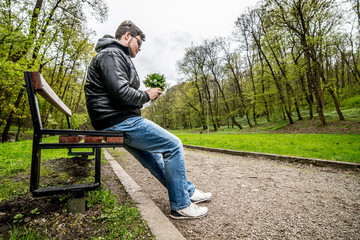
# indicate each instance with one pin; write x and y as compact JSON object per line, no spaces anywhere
{"x":35,"y":83}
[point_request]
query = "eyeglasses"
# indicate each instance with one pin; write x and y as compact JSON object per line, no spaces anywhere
{"x":138,"y":41}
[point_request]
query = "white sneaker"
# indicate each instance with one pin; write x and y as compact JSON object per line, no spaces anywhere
{"x":190,"y":212}
{"x":199,"y":196}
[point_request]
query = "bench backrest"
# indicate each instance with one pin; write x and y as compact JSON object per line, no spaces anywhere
{"x":35,"y":83}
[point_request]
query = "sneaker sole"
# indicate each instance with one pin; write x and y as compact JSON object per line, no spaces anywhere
{"x":179,"y":216}
{"x":202,"y":200}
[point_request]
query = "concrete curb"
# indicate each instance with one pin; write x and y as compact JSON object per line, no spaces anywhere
{"x":158,"y":223}
{"x":292,"y":159}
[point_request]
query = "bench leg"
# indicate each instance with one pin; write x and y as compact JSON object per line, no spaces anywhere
{"x":97,"y":165}
{"x":76,"y":201}
{"x":35,"y":165}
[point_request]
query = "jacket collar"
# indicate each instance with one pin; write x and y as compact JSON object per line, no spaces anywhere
{"x":110,"y":41}
{"x":118,"y":45}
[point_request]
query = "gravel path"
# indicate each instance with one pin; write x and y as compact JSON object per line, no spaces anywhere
{"x":261,"y":199}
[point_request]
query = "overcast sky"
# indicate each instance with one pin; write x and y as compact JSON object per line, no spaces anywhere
{"x":170,"y":27}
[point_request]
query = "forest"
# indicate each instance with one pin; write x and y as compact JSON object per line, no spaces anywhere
{"x":283,"y":58}
{"x":50,"y":36}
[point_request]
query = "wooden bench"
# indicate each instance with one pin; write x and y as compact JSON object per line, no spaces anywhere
{"x":68,"y":138}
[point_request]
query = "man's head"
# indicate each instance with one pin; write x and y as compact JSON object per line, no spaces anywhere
{"x":129,"y":35}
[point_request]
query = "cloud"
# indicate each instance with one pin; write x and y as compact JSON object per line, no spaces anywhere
{"x":156,"y":52}
{"x":170,"y":27}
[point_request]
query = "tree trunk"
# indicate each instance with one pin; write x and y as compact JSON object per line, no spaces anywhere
{"x":295,"y":101}
{"x":212,"y":118}
{"x":248,"y":119}
{"x":267,"y":114}
{"x":4,"y":136}
{"x":254,"y":114}
{"x":308,"y":97}
{"x":17,"y":133}
{"x":332,"y":94}
{"x":263,"y":90}
{"x":44,"y":31}
{"x":227,"y":109}
{"x":337,"y":105}
{"x":283,"y":113}
{"x":234,"y":122}
{"x":315,"y":84}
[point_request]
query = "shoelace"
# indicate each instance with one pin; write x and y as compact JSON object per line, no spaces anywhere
{"x":194,"y":207}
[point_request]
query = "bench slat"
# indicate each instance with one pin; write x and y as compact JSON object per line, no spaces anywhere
{"x":69,"y":139}
{"x":43,"y":88}
{"x":90,"y":139}
{"x":115,"y":139}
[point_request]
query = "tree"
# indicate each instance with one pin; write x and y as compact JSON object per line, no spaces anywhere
{"x":212,"y":49}
{"x":284,"y":56}
{"x":310,"y":21}
{"x":31,"y":38}
{"x":249,"y":22}
{"x":190,"y":68}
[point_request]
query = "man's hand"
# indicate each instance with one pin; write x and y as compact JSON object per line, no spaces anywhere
{"x":154,"y":93}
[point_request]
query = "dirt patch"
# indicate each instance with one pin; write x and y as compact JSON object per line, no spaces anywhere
{"x":262,"y":199}
{"x":312,"y":126}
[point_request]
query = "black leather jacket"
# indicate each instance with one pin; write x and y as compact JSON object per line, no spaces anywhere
{"x":112,"y":85}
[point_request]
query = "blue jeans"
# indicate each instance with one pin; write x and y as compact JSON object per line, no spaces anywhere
{"x":161,"y":153}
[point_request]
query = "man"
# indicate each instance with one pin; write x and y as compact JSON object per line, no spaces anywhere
{"x":113,"y":100}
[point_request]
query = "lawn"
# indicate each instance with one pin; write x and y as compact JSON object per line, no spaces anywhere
{"x":322,"y":146}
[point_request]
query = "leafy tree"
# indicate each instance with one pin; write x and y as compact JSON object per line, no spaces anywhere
{"x":47,"y":36}
{"x":284,"y":56}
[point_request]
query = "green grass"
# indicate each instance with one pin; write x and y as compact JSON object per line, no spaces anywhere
{"x":121,"y":221}
{"x":15,"y":158}
{"x":322,"y":146}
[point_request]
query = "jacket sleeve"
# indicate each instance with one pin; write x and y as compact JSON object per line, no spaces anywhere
{"x":115,"y":74}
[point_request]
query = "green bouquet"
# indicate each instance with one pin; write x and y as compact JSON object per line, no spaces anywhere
{"x":155,"y":80}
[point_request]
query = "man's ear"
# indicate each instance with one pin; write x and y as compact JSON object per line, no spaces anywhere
{"x":124,"y":39}
{"x":127,"y":36}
